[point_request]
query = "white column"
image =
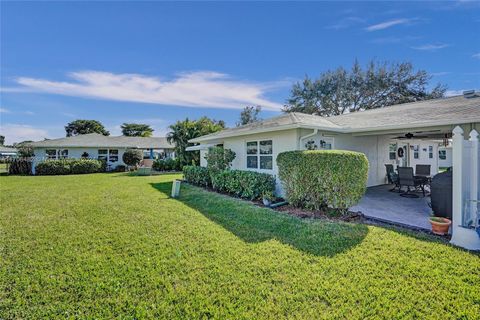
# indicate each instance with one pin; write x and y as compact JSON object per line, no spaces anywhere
{"x":474,"y":171}
{"x":463,"y":237}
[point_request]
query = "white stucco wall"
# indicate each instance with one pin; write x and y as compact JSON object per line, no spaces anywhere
{"x":448,"y":161}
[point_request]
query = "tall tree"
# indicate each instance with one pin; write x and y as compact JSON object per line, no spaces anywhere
{"x":378,"y":85}
{"x":182,"y":131}
{"x":2,"y":140}
{"x":77,"y":127}
{"x":25,"y":150}
{"x":136,"y":130}
{"x":249,"y":114}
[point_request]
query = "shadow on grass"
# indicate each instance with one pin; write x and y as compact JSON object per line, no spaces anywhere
{"x":254,"y":224}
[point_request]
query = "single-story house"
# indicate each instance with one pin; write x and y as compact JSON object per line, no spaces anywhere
{"x":97,"y":146}
{"x":7,"y":152}
{"x":405,"y":134}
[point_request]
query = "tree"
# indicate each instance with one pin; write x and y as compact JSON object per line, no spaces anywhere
{"x":182,"y":131}
{"x":249,"y":114}
{"x":378,"y":85}
{"x":77,"y":127}
{"x":24,"y":148}
{"x":132,"y":157}
{"x":136,"y":130}
{"x":2,"y":140}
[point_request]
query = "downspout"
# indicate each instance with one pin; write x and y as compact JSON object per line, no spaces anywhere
{"x":315,"y":131}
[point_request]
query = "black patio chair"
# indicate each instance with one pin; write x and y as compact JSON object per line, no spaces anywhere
{"x":392,"y":177}
{"x":407,"y":179}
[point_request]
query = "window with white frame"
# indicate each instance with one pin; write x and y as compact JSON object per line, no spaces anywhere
{"x":442,"y":154}
{"x":430,"y":152}
{"x":392,"y":151}
{"x":63,"y":154}
{"x":103,"y":154}
{"x":416,"y":151}
{"x":260,"y":154}
{"x":51,"y":153}
{"x":112,"y":155}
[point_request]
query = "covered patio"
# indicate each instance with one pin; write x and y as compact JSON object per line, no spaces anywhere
{"x":382,"y":205}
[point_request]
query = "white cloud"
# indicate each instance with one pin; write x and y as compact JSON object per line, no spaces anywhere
{"x":346,"y":23}
{"x":388,"y":24}
{"x":3,"y":110}
{"x":194,"y":89}
{"x":439,"y":74}
{"x":476,"y":55}
{"x":29,"y":113}
{"x":20,"y":132}
{"x":431,"y":47}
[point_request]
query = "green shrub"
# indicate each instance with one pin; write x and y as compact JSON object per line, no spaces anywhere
{"x":219,"y":158}
{"x":20,"y":166}
{"x":53,"y":167}
{"x":244,"y":184}
{"x":132,"y":157}
{"x":120,"y":168}
{"x":199,"y":176}
{"x":85,"y":166}
{"x":68,"y":166}
{"x":167,"y":165}
{"x":323,"y":178}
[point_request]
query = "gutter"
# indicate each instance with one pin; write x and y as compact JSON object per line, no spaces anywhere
{"x":315,"y":131}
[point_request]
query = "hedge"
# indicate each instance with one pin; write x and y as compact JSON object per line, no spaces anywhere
{"x":20,"y":166}
{"x":168,"y":164}
{"x":197,"y":175}
{"x":323,"y":178}
{"x":68,"y":166}
{"x":244,"y":184}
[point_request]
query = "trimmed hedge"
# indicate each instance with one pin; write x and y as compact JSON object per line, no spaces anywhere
{"x":244,"y":184}
{"x":20,"y":166}
{"x":199,"y":176}
{"x":168,"y":164}
{"x":68,"y":166}
{"x":323,"y":178}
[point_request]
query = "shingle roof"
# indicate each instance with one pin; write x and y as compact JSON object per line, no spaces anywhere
{"x":436,"y":112}
{"x":97,"y":140}
{"x":4,"y":149}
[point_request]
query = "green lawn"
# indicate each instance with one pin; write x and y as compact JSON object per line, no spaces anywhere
{"x":114,"y":245}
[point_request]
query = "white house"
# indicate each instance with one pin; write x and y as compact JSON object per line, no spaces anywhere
{"x":405,"y":134}
{"x":97,"y":146}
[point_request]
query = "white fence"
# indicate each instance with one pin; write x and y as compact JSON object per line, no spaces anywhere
{"x":466,"y":190}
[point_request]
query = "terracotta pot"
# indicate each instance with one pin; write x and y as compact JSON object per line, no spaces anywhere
{"x":440,"y":227}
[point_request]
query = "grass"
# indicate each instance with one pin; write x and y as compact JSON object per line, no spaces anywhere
{"x":115,"y":246}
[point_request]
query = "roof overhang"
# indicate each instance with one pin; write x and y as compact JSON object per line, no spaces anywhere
{"x":200,"y":147}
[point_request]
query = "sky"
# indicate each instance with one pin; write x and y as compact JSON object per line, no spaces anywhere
{"x":156,"y":63}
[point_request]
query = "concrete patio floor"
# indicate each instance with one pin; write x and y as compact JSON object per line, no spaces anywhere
{"x":387,"y":206}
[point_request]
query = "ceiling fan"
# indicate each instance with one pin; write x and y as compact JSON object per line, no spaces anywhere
{"x":410,"y":136}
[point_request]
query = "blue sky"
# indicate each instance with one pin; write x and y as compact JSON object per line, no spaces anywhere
{"x":156,"y":63}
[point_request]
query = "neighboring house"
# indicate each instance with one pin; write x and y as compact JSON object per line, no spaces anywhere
{"x":416,"y":128}
{"x":7,"y":152}
{"x":97,"y":146}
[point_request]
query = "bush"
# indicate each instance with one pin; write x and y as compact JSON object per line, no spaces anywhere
{"x":219,"y":158}
{"x":120,"y":168}
{"x":132,"y":157}
{"x":326,"y":178}
{"x":68,"y":166}
{"x":53,"y":167}
{"x":197,"y":175}
{"x":244,"y":184}
{"x":85,"y":166}
{"x":20,"y":166}
{"x":168,"y":164}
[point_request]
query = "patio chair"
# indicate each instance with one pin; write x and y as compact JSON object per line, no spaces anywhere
{"x":407,"y":179}
{"x":422,"y":170}
{"x":392,"y":177}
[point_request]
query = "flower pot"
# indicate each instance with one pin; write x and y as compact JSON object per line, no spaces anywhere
{"x":266,"y":202}
{"x":440,"y":226}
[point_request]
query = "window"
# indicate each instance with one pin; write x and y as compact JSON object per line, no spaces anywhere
{"x":63,"y":154}
{"x":392,"y":151}
{"x":51,"y":153}
{"x":102,"y":154}
{"x":260,"y":155}
{"x":442,"y":154}
{"x":112,"y":155}
{"x":416,"y":151}
{"x":430,"y":152}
